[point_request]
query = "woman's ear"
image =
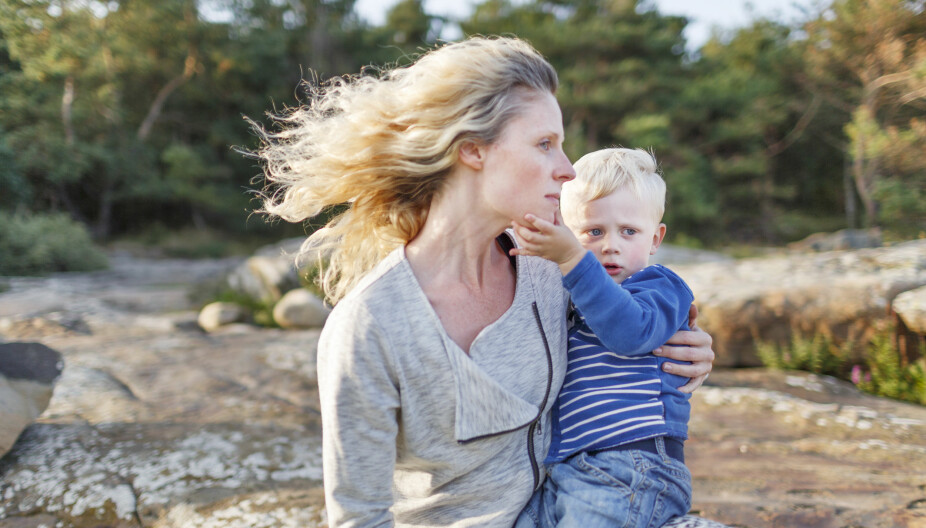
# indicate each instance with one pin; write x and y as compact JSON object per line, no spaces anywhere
{"x":472,"y":154}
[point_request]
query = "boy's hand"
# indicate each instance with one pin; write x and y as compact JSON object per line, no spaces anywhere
{"x":539,"y":238}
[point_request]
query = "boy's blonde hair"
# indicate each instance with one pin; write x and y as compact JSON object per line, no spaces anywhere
{"x":602,"y":172}
{"x":384,"y":146}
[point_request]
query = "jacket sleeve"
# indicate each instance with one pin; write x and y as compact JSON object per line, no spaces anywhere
{"x":634,"y":317}
{"x":359,"y":395}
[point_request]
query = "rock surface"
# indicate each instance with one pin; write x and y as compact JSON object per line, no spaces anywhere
{"x":218,"y":314}
{"x":155,"y":423}
{"x":910,"y":306}
{"x":299,"y":308}
{"x":842,"y":239}
{"x":269,"y":273}
{"x":845,"y":294}
{"x":28,"y":372}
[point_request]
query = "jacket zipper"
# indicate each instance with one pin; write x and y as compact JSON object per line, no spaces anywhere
{"x":535,"y":466}
{"x":535,"y":427}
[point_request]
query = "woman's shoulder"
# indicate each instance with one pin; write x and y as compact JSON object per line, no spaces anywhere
{"x":389,"y":284}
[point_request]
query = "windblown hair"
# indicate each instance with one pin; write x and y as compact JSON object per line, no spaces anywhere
{"x":384,"y":146}
{"x":602,"y":172}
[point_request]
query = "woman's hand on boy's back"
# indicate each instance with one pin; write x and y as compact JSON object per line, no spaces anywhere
{"x":693,"y":346}
{"x":552,"y":241}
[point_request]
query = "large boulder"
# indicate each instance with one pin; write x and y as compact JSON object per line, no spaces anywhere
{"x":299,"y":308}
{"x":28,"y":372}
{"x":843,"y":239}
{"x":910,"y":306}
{"x":269,"y":273}
{"x":844,"y":294}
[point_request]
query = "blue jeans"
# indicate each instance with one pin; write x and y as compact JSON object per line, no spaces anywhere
{"x":615,"y":488}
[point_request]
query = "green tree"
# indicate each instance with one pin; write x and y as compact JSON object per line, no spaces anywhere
{"x":91,"y":84}
{"x":123,"y":113}
{"x":619,"y":63}
{"x":746,"y":116}
{"x":867,"y":59}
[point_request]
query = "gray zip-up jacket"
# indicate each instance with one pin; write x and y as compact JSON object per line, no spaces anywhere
{"x":418,"y":433}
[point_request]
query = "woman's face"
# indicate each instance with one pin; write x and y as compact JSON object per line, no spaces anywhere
{"x":525,"y":169}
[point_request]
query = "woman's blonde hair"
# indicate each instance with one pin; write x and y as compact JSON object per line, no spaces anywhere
{"x":602,"y":172}
{"x":383,"y":147}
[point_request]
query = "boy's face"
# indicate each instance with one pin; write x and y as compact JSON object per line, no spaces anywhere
{"x":620,"y":230}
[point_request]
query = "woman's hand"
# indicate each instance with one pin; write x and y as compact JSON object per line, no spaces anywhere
{"x":693,"y":346}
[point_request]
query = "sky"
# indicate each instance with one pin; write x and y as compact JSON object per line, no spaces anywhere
{"x":703,"y":14}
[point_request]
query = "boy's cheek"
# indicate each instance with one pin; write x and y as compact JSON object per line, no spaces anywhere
{"x":587,"y":244}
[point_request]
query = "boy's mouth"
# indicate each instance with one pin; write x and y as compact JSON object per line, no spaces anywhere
{"x":613,"y":269}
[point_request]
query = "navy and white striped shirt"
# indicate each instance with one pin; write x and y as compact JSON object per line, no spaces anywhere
{"x":615,"y":391}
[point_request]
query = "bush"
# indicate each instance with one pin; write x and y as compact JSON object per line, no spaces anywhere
{"x":43,"y":243}
{"x":885,"y":373}
{"x":889,"y":375}
{"x":818,"y":354}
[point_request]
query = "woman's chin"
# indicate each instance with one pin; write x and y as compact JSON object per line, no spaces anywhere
{"x":545,"y":215}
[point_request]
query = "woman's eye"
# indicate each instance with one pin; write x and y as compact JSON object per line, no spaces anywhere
{"x":545,"y":144}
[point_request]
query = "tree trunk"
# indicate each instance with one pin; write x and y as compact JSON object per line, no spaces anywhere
{"x":67,"y":105}
{"x":104,"y":218}
{"x":865,"y":168}
{"x":189,"y":68}
{"x":849,"y":195}
{"x":863,"y":172}
{"x":766,"y":187}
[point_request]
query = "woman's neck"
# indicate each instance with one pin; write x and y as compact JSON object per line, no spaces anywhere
{"x":463,"y":272}
{"x":457,"y":241}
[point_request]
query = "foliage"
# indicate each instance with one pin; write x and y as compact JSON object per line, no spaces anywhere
{"x":44,"y":243}
{"x":262,"y":311}
{"x":890,"y":375}
{"x":867,"y":58}
{"x":124,"y":114}
{"x":818,"y":354}
{"x":887,"y":374}
{"x":218,"y":290}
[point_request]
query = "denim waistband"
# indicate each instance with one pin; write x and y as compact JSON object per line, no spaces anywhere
{"x":673,"y":447}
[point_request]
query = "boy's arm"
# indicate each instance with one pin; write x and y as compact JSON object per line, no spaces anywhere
{"x":633,"y":318}
{"x":626,"y":324}
{"x":555,"y":242}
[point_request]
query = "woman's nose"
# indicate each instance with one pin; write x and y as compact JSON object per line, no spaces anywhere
{"x":565,"y":172}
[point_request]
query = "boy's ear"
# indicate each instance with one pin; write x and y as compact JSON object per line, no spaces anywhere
{"x":473,"y":155}
{"x":657,"y":238}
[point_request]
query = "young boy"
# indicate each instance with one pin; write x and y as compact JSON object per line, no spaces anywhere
{"x":617,"y":452}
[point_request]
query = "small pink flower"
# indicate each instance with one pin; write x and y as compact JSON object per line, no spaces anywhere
{"x":856,"y":374}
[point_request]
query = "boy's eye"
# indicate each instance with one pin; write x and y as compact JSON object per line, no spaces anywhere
{"x":545,"y":144}
{"x":595,"y":232}
{"x":630,"y":231}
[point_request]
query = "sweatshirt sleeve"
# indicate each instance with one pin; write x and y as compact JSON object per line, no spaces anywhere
{"x":359,"y":395}
{"x":634,"y":317}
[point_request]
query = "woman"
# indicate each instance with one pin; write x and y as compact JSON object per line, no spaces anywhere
{"x":440,"y":362}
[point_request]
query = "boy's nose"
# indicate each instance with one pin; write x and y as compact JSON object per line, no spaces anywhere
{"x":611,"y":245}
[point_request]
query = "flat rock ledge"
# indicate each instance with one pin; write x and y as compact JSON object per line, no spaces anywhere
{"x":157,"y":424}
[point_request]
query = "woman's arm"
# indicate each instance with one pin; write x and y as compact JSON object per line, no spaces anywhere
{"x":693,"y":346}
{"x":359,"y":402}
